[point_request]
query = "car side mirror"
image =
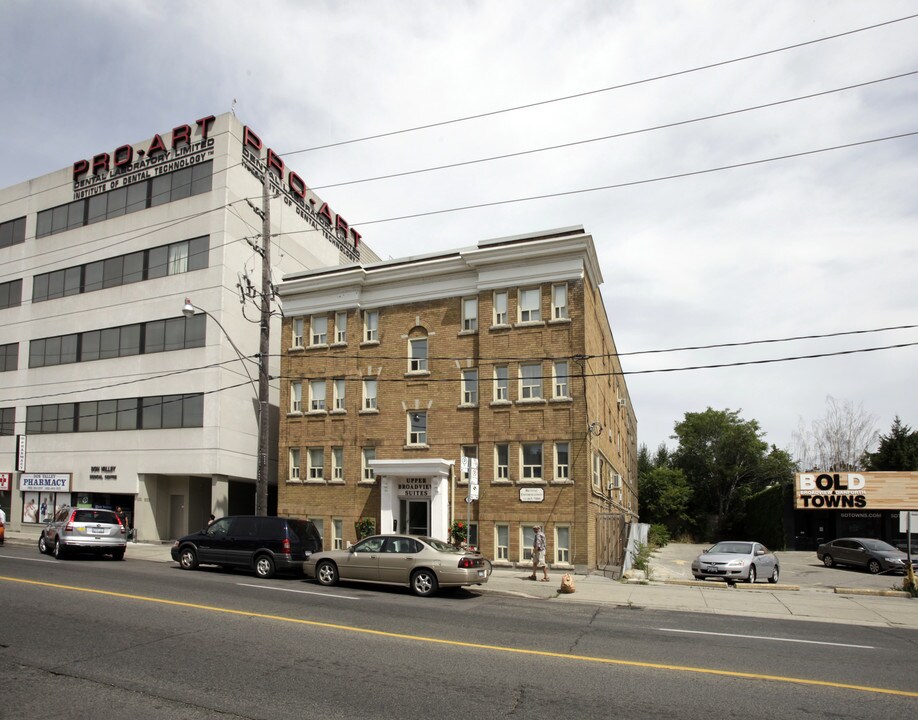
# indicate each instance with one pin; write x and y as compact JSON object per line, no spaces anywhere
{"x":760,"y":552}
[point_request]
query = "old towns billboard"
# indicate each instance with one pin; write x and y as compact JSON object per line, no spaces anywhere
{"x":861,"y":491}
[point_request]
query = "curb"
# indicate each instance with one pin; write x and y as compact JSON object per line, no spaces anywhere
{"x":879,"y":593}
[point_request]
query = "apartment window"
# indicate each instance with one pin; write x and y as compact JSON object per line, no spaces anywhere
{"x":597,"y":471}
{"x":145,"y":413}
{"x":417,"y":352}
{"x":562,"y":545}
{"x":366,"y":472}
{"x":7,"y":421}
{"x":338,"y":394}
{"x":12,"y":232}
{"x":371,"y":326}
{"x":294,"y":463}
{"x":369,"y":394}
{"x":532,"y":461}
{"x":9,"y":357}
{"x":502,"y":542}
{"x":502,"y":461}
{"x":10,"y":294}
{"x":470,"y":452}
{"x":297,"y":332}
{"x":417,"y":428}
{"x":470,"y":387}
{"x":316,"y":395}
{"x":530,"y":381}
{"x":320,"y":527}
{"x":337,"y":534}
{"x":340,"y":328}
{"x":318,"y":330}
{"x":560,"y":373}
{"x":296,"y":396}
{"x":316,"y":463}
{"x":501,"y":384}
{"x":559,"y":301}
{"x":528,"y":536}
{"x":562,"y":461}
{"x":500,"y":308}
{"x":470,"y":314}
{"x":338,"y":463}
{"x":530,"y":305}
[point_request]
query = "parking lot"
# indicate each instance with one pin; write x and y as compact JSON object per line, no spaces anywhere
{"x":798,"y":567}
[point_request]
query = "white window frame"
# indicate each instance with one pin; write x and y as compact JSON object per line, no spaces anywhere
{"x":339,"y":396}
{"x":470,"y":314}
{"x":597,"y":470}
{"x":370,"y":394}
{"x":531,"y":472}
{"x":530,"y":385}
{"x":297,"y":334}
{"x":371,"y":326}
{"x":417,"y":362}
{"x":559,"y":301}
{"x":527,"y":535}
{"x":341,"y":328}
{"x":561,"y":380}
{"x":296,"y":396}
{"x":501,"y":308}
{"x":529,"y":312}
{"x":337,"y":534}
{"x":417,"y":437}
{"x":366,"y":472}
{"x":294,"y":464}
{"x":337,"y":458}
{"x":315,"y":461}
{"x":562,"y":470}
{"x":562,"y":543}
{"x":317,"y":395}
{"x":502,"y":470}
{"x":501,"y":383}
{"x":502,"y":542}
{"x":318,"y":330}
{"x":469,"y":386}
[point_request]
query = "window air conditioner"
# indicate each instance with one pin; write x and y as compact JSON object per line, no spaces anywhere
{"x":616,"y":482}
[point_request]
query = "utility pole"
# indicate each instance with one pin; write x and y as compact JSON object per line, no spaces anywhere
{"x":261,"y":479}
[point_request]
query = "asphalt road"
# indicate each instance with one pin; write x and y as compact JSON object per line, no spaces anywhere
{"x":100,"y":639}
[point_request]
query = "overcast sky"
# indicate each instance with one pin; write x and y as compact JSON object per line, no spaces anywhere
{"x":824,"y":243}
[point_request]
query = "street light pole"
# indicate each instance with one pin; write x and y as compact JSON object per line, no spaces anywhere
{"x":264,"y":350}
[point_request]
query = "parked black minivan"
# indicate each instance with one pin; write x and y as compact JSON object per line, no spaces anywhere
{"x":263,"y":544}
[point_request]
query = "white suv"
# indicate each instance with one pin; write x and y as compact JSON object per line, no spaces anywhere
{"x":88,"y":529}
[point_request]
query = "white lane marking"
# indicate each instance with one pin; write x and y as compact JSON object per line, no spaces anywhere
{"x":13,"y":557}
{"x":762,"y":637}
{"x":301,"y":592}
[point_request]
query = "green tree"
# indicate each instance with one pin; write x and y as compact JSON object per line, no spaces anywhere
{"x":898,"y":451}
{"x":724,"y":459}
{"x":665,"y":495}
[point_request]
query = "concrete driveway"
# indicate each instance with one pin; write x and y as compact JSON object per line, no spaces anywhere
{"x":798,"y":567}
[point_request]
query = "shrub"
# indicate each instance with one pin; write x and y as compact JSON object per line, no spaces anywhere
{"x":364,"y":527}
{"x":640,"y":557}
{"x":658,"y":535}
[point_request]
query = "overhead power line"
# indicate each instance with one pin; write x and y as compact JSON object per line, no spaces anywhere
{"x":597,"y":91}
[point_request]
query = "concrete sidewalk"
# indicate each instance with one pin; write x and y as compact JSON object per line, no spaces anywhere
{"x":851,"y":606}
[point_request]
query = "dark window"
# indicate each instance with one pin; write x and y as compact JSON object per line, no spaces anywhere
{"x":133,"y":268}
{"x":197,"y":253}
{"x":158,"y":262}
{"x":175,"y":333}
{"x":152,"y":418}
{"x":37,"y":353}
{"x":113,"y":272}
{"x":65,"y":418}
{"x":161,"y":190}
{"x":33,"y":420}
{"x":181,"y":184}
{"x":7,"y":421}
{"x":43,"y":223}
{"x":97,"y":208}
{"x":137,"y":197}
{"x":155,"y":336}
{"x":12,"y":232}
{"x":94,"y":274}
{"x":11,"y":294}
{"x":75,"y":214}
{"x":127,"y":414}
{"x":69,"y":344}
{"x":56,"y":284}
{"x":88,"y":417}
{"x":172,"y":411}
{"x":117,"y":199}
{"x":111,"y":343}
{"x":49,"y":418}
{"x":9,"y":357}
{"x":73,"y":281}
{"x":90,"y":344}
{"x":108,"y":415}
{"x":52,"y":351}
{"x":103,"y":415}
{"x":202,"y":176}
{"x":130,"y":340}
{"x":243,"y":527}
{"x":195,"y":329}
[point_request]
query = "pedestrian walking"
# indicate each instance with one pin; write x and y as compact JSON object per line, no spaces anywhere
{"x":538,"y":555}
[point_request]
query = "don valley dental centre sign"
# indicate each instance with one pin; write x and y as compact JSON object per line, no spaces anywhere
{"x":860,"y":491}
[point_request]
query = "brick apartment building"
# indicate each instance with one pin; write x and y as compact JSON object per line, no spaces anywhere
{"x":396,"y":377}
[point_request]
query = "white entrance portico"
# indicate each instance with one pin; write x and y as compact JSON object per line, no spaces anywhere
{"x":414,"y":496}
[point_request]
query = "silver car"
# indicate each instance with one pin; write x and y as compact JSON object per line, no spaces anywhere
{"x":86,"y":529}
{"x":422,"y":563}
{"x":736,"y":560}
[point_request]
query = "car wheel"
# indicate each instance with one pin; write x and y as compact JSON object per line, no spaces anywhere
{"x":752,"y":574}
{"x":58,"y":549}
{"x":264,"y":567}
{"x":828,"y":560}
{"x":327,"y":573}
{"x":188,"y":559}
{"x":774,"y":576}
{"x":424,"y":583}
{"x":874,"y":567}
{"x":43,"y":546}
{"x":118,"y":554}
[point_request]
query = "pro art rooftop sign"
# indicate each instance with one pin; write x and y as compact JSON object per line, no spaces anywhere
{"x":861,"y":491}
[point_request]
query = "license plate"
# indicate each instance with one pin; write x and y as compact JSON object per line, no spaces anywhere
{"x":481,"y":573}
{"x":711,"y":568}
{"x":97,"y":531}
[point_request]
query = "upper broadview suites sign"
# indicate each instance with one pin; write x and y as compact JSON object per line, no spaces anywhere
{"x":861,"y":491}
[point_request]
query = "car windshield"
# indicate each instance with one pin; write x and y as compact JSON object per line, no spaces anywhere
{"x":731,"y":548}
{"x":878,"y":546}
{"x":95,"y":516}
{"x":441,"y":546}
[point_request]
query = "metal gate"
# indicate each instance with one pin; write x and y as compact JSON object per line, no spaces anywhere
{"x":611,"y":543}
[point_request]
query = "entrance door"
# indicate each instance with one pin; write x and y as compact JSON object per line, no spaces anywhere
{"x":177,"y":524}
{"x":418,"y":512}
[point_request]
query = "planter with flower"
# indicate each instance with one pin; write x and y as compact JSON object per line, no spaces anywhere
{"x":364,"y":527}
{"x":458,"y":533}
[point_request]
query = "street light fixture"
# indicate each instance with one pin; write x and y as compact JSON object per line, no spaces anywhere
{"x":261,"y":392}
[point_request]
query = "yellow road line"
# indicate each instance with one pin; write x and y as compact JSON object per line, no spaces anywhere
{"x":479,"y":646}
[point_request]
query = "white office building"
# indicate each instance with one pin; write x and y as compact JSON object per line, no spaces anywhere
{"x":110,"y":395}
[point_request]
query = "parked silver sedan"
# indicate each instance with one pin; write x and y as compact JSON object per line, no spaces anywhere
{"x":84,"y":529}
{"x":736,"y":560}
{"x":422,"y":563}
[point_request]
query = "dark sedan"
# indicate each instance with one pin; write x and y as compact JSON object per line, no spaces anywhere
{"x":875,"y":555}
